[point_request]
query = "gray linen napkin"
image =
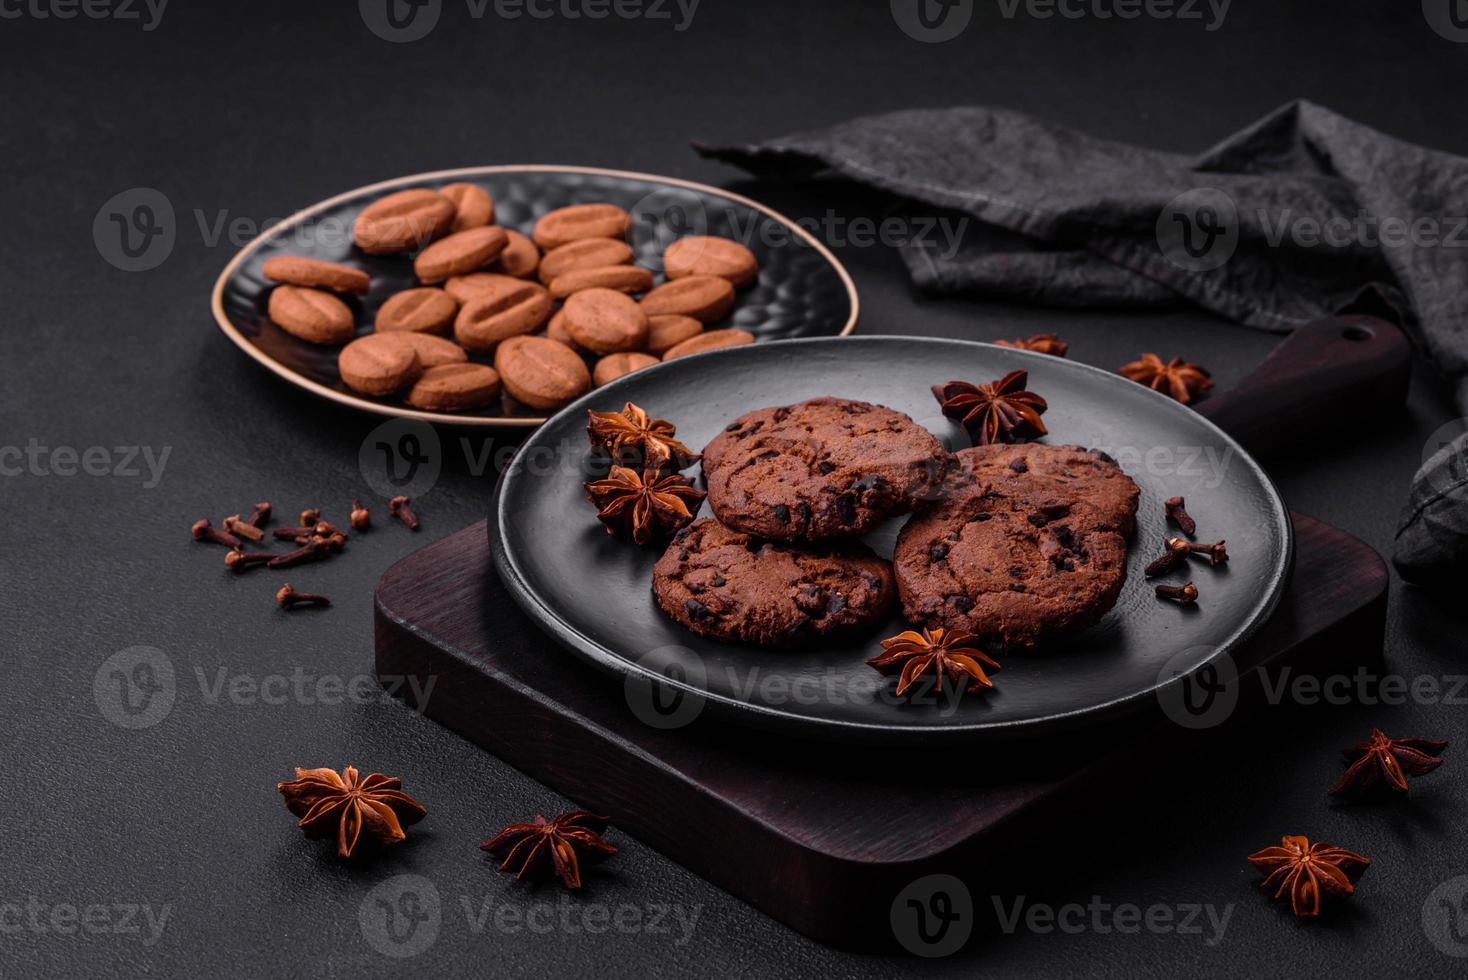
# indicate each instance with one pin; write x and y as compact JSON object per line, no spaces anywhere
{"x":1281,"y":223}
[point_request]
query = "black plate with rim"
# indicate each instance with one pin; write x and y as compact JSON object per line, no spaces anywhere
{"x":591,"y":593}
{"x":803,"y":290}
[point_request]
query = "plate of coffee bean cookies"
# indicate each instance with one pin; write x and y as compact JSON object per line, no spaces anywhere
{"x":884,"y":537}
{"x":497,"y":295}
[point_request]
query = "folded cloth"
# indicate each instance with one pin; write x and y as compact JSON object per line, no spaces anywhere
{"x":1281,"y":223}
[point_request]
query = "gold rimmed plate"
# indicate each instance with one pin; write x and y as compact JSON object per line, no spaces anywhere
{"x":803,"y":291}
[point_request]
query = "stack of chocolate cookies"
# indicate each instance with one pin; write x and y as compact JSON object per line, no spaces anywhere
{"x":1010,"y":542}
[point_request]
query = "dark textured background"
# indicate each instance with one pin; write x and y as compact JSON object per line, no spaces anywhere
{"x":252,"y":111}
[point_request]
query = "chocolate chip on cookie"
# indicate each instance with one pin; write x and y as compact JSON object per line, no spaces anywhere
{"x":823,"y":468}
{"x":1023,"y":542}
{"x":727,"y":585}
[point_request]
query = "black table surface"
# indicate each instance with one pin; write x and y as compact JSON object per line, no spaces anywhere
{"x":164,"y":850}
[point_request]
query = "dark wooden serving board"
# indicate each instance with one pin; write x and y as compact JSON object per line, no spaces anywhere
{"x":825,"y":840}
{"x":820,"y":844}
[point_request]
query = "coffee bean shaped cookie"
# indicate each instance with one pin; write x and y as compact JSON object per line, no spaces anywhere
{"x":711,"y":340}
{"x":298,"y":270}
{"x":433,"y":351}
{"x":454,"y":388}
{"x":421,"y":310}
{"x":569,"y":224}
{"x":605,"y":321}
{"x":705,"y":298}
{"x":704,"y":255}
{"x":588,"y":253}
{"x":666,"y":331}
{"x":473,"y":207}
{"x":823,"y":468}
{"x":479,"y":285}
{"x":729,"y":586}
{"x":541,"y":373}
{"x":379,"y":364}
{"x":460,"y":253}
{"x":520,"y":258}
{"x":555,"y":329}
{"x":1023,"y":542}
{"x":483,"y":323}
{"x":403,"y":221}
{"x":621,"y":278}
{"x":311,"y":314}
{"x":613,"y":366}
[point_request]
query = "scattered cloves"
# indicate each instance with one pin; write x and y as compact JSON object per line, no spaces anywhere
{"x":313,"y":550}
{"x":1176,"y":513}
{"x":300,"y":535}
{"x":1184,"y":595}
{"x":324,"y":529}
{"x":1176,"y":553}
{"x":310,"y":516}
{"x":401,"y":510}
{"x":361,"y":517}
{"x":289,"y":598}
{"x":334,"y":542}
{"x":204,"y":531}
{"x":243,"y":529}
{"x":238,"y":560}
{"x":1217,"y":554}
{"x":259,"y":515}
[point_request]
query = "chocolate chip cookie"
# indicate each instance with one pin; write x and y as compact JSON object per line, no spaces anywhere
{"x":1026,"y":541}
{"x":819,"y":469}
{"x":727,"y":585}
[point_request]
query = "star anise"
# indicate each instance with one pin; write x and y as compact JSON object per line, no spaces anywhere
{"x":946,"y":654}
{"x":534,"y":849}
{"x":645,"y":507}
{"x":351,"y":809}
{"x":1178,"y":379}
{"x":1387,"y":762}
{"x":1000,"y":411}
{"x":631,"y":436}
{"x":1307,"y":871}
{"x":1043,"y":343}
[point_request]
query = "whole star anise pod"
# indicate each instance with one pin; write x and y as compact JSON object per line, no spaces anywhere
{"x":535,"y":849}
{"x":1178,"y":379}
{"x":374,"y":809}
{"x":1043,"y":343}
{"x":1387,"y":762}
{"x":1307,"y":871}
{"x":1000,"y":411}
{"x":946,"y":654}
{"x":631,"y":436}
{"x":645,"y":507}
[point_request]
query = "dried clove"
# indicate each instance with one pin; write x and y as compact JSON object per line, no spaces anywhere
{"x":361,"y":516}
{"x":401,"y":510}
{"x":238,"y":560}
{"x":204,"y":531}
{"x":1176,"y":553}
{"x":1178,"y":514}
{"x":1182,"y":594}
{"x":289,"y":598}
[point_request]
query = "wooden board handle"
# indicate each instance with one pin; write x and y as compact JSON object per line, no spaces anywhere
{"x":1326,"y":376}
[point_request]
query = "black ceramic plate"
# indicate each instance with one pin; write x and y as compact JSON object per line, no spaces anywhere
{"x":803,"y":291}
{"x":591,"y":593}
